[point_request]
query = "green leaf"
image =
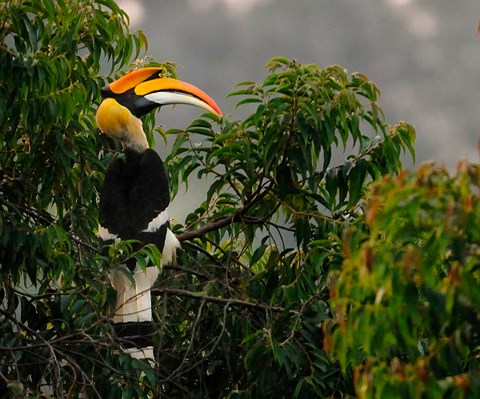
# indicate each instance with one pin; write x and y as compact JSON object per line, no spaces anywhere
{"x":243,"y":92}
{"x":356,"y":181}
{"x":248,"y":101}
{"x":331,"y":184}
{"x":258,"y":254}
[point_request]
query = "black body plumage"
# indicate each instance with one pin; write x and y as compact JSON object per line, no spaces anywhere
{"x":135,"y":192}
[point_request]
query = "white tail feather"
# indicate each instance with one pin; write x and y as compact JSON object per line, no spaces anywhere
{"x":141,"y":353}
{"x":134,"y":302}
{"x":170,"y":247}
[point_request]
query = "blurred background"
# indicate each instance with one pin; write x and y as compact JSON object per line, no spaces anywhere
{"x":424,"y":55}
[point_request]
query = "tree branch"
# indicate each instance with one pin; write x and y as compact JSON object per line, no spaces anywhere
{"x":224,"y":301}
{"x":207,"y":228}
{"x":238,"y":216}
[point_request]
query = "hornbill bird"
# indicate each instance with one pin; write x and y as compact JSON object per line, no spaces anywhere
{"x":135,"y":196}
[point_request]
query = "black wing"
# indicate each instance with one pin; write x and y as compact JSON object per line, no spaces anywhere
{"x":134,"y":194}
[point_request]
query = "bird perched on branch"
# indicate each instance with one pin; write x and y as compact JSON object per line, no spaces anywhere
{"x":135,"y":195}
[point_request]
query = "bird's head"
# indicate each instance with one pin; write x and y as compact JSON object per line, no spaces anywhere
{"x":137,"y":93}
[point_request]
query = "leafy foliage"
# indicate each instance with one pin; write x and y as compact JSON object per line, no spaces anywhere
{"x":266,"y":233}
{"x":408,"y":294}
{"x":54,"y":285}
{"x":312,"y":268}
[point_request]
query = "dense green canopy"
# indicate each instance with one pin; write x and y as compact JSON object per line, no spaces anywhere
{"x":313,"y":267}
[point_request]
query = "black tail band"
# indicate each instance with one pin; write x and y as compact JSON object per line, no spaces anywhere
{"x":135,"y":334}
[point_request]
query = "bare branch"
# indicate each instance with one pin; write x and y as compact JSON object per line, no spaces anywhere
{"x":224,"y":301}
{"x":238,"y":216}
{"x":207,"y":228}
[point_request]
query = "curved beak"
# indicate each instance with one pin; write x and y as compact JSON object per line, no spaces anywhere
{"x":143,"y":90}
{"x":165,"y":91}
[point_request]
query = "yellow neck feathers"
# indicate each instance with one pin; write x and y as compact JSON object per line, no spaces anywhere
{"x":118,"y":122}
